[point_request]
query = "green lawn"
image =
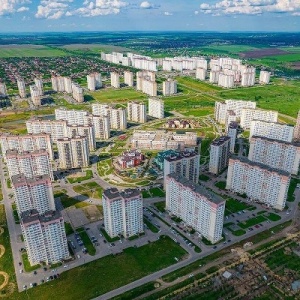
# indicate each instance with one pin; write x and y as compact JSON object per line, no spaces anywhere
{"x":233,"y":206}
{"x":26,"y":264}
{"x":88,"y":175}
{"x":107,"y":237}
{"x":292,"y":187}
{"x":252,"y":222}
{"x":86,"y":241}
{"x":15,"y":213}
{"x":157,"y":192}
{"x":273,"y":217}
{"x":110,"y":272}
{"x":67,"y":201}
{"x":221,"y":185}
{"x":161,"y":206}
{"x":151,"y":226}
{"x":203,"y":177}
{"x":238,"y":232}
{"x":90,"y":190}
{"x":68,"y":228}
{"x":8,"y":182}
{"x":132,"y":294}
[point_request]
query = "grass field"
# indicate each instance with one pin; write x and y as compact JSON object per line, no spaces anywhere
{"x":233,"y":206}
{"x":96,"y":278}
{"x":29,"y":51}
{"x":90,"y":190}
{"x":88,"y":175}
{"x":86,"y":241}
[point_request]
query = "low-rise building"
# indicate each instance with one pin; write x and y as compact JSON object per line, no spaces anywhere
{"x":130,"y":159}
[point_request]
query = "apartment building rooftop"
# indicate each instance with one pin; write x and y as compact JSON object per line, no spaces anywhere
{"x":296,"y":144}
{"x":20,"y":179}
{"x":179,"y":156}
{"x":114,"y":193}
{"x":220,"y":141}
{"x":31,"y":216}
{"x":197,"y":188}
{"x":233,"y":125}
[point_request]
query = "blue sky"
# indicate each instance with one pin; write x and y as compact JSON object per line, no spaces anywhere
{"x":119,"y":15}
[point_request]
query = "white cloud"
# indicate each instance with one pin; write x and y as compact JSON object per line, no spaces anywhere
{"x":167,"y":13}
{"x":146,"y":5}
{"x":12,"y":6}
{"x":196,"y":12}
{"x":52,"y":9}
{"x":251,"y":7}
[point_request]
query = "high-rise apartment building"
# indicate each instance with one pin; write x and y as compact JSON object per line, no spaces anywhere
{"x":58,"y":83}
{"x":94,"y":81}
{"x":82,"y":130}
{"x":275,"y":154}
{"x":236,"y":106}
{"x":44,"y":237}
{"x":219,"y":154}
{"x":156,"y":108}
{"x":123,"y":212}
{"x":214,"y":76}
{"x":248,"y":76}
{"x":196,"y":206}
{"x":21,"y":87}
{"x":136,"y":112}
{"x":33,"y":193}
{"x":31,"y":164}
{"x":73,"y":152}
{"x":264,"y":77}
{"x":250,"y":114}
{"x":232,"y":131}
{"x":28,"y":142}
{"x":201,"y":73}
{"x":68,"y":85}
{"x":259,"y":182}
{"x":77,"y":92}
{"x":39,"y":84}
{"x":128,"y":78}
{"x":169,"y":87}
{"x":101,"y":127}
{"x":3,"y":90}
{"x":72,"y":116}
{"x":35,"y":95}
{"x":115,"y":80}
{"x":297,"y":129}
{"x":226,"y":79}
{"x":117,"y":116}
{"x":185,"y":164}
{"x":275,"y":131}
{"x":149,"y":87}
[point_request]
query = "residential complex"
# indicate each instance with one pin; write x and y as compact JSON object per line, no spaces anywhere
{"x":232,"y":131}
{"x":73,"y":152}
{"x":275,"y":154}
{"x":259,"y":182}
{"x":101,"y":127}
{"x":145,"y":82}
{"x":297,"y":128}
{"x":29,"y":163}
{"x":77,"y":92}
{"x":156,"y":108}
{"x":169,"y":87}
{"x":196,"y":206}
{"x":236,"y":106}
{"x":39,"y":84}
{"x":136,"y":112}
{"x":275,"y":131}
{"x":248,"y":76}
{"x":83,"y":131}
{"x":128,"y":78}
{"x":201,"y":73}
{"x":264,"y":77}
{"x":94,"y":81}
{"x":117,"y":116}
{"x":185,"y":164}
{"x":219,"y":154}
{"x":35,"y":94}
{"x":130,"y":159}
{"x":44,"y":237}
{"x":3,"y":90}
{"x":33,"y":193}
{"x":115,"y":80}
{"x":250,"y":114}
{"x":21,"y":87}
{"x":123,"y":212}
{"x":162,"y":140}
{"x":28,"y":142}
{"x":226,"y":79}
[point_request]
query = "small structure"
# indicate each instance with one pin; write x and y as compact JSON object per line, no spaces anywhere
{"x":226,"y":274}
{"x":130,"y":159}
{"x":296,"y":285}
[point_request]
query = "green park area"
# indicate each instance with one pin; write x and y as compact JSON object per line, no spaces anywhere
{"x":154,"y":192}
{"x":233,"y":206}
{"x":68,"y":201}
{"x":90,"y":190}
{"x":86,"y":241}
{"x":95,"y":278}
{"x":77,"y":179}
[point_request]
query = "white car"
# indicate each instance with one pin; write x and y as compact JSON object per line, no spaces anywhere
{"x":21,"y":271}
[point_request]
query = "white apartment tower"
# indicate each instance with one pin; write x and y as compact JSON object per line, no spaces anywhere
{"x":156,"y":108}
{"x":123,"y":212}
{"x":58,"y":83}
{"x":297,"y":128}
{"x":101,"y":127}
{"x":259,"y":182}
{"x":232,"y":132}
{"x":77,"y":92}
{"x":248,"y":76}
{"x":31,"y":164}
{"x":83,"y":130}
{"x":115,"y":80}
{"x":201,"y":73}
{"x":73,"y":152}
{"x":33,"y":193}
{"x":169,"y":87}
{"x":226,"y":80}
{"x":44,"y":237}
{"x":21,"y":87}
{"x":136,"y":112}
{"x":3,"y":90}
{"x":196,"y":206}
{"x":68,"y":85}
{"x":128,"y":78}
{"x":39,"y":84}
{"x":275,"y":154}
{"x":29,"y":142}
{"x":264,"y":77}
{"x":94,"y":81}
{"x":248,"y":115}
{"x":35,"y":95}
{"x":214,"y":76}
{"x":219,"y":154}
{"x":275,"y":131}
{"x":186,"y":164}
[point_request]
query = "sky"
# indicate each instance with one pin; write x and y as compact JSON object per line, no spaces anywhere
{"x":152,"y":15}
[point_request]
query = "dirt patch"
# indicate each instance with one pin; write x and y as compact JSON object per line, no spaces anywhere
{"x":263,"y":52}
{"x":296,"y":66}
{"x":92,"y":213}
{"x":77,"y":174}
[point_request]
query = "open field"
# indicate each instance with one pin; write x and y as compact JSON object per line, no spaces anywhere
{"x":95,"y":278}
{"x":90,"y":189}
{"x":95,"y":48}
{"x":75,"y":179}
{"x":29,"y":51}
